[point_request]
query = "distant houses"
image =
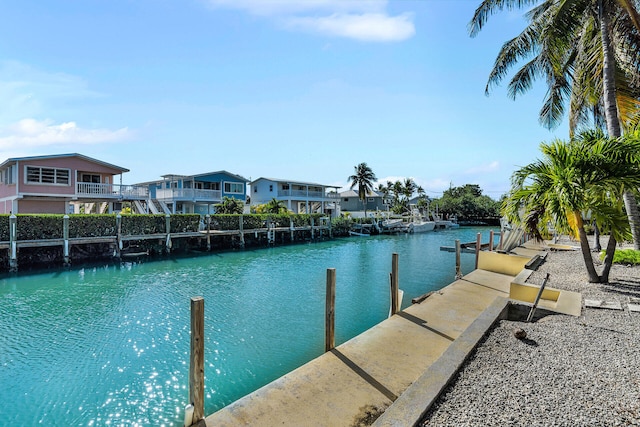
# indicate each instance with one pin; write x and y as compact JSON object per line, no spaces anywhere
{"x":297,"y":196}
{"x":74,"y":183}
{"x":350,"y":202}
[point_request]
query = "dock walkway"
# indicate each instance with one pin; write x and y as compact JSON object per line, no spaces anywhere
{"x":394,"y":369}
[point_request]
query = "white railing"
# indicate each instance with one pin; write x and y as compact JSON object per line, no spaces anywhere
{"x":111,"y":191}
{"x":188,"y":194}
{"x":302,"y":193}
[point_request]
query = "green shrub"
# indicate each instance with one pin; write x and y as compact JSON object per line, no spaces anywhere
{"x":185,"y":223}
{"x":4,"y":228}
{"x":92,"y":225}
{"x":624,"y":256}
{"x":134,"y":225}
{"x":39,"y":227}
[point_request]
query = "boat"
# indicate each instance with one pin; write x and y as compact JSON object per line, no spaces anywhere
{"x":421,"y":226}
{"x":392,"y":226}
{"x":362,"y":230}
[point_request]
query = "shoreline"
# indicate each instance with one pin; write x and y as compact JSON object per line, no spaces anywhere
{"x":569,"y":371}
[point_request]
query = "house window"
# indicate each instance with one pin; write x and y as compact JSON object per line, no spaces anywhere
{"x":270,"y":187}
{"x":346,"y":199}
{"x":369,"y":199}
{"x":50,"y":176}
{"x":285,"y":186}
{"x":255,"y":189}
{"x":233,"y":187}
{"x":87,"y":177}
{"x":8,"y":176}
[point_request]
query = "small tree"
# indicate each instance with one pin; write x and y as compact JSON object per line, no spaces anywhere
{"x":230,"y":205}
{"x":363,"y":178}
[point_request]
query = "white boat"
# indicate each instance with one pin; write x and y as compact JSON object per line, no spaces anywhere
{"x":443,"y":224}
{"x":393,"y":226}
{"x":421,"y":226}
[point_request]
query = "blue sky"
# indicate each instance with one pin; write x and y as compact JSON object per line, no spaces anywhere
{"x":300,"y":90}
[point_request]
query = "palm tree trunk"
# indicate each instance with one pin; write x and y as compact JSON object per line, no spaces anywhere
{"x":608,"y":259}
{"x":586,"y":251}
{"x":611,"y":115}
{"x":596,"y":237}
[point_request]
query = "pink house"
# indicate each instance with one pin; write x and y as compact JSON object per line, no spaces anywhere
{"x":61,"y":183}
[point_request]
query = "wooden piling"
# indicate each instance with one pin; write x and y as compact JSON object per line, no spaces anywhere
{"x":458,"y":265}
{"x":491,"y":241}
{"x":208,"y":218}
{"x":13,"y":243}
{"x":119,"y":235}
{"x":196,"y":360}
{"x":394,"y":284}
{"x":65,"y":237}
{"x":291,"y":228}
{"x":501,"y":239}
{"x":167,"y":226}
{"x":478,"y":244}
{"x":241,"y":228}
{"x":313,"y":236}
{"x":329,"y":337}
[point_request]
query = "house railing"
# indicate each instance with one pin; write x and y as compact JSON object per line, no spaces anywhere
{"x":188,"y":194}
{"x":111,"y":191}
{"x":303,"y":193}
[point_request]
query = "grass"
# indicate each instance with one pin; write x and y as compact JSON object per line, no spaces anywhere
{"x":625,"y":256}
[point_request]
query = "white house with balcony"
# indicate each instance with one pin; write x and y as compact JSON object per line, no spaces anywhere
{"x":298,"y":196}
{"x":62,"y":183}
{"x":194,"y":193}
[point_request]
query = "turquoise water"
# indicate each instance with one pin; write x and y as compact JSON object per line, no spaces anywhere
{"x":109,"y":345}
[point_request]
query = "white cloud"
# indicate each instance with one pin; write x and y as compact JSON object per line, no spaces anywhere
{"x":364,"y":20}
{"x":29,"y":133}
{"x":373,"y":27}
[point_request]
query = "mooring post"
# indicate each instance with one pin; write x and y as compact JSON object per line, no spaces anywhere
{"x":291,"y":228}
{"x":478,"y":244}
{"x":196,"y":360}
{"x":312,"y":230}
{"x":208,"y":218}
{"x":118,"y":235}
{"x":13,"y":243}
{"x":490,"y":240}
{"x":394,"y":284}
{"x":167,"y":228}
{"x":241,"y":228}
{"x":501,"y":239}
{"x":65,"y":237}
{"x":330,"y":314}
{"x":458,"y":267}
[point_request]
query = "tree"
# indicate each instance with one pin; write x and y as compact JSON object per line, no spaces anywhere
{"x":467,"y":202}
{"x":587,"y":50}
{"x":363,"y":178}
{"x":588,"y":173}
{"x":275,"y":206}
{"x":230,"y":205}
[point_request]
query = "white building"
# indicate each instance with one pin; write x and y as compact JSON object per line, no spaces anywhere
{"x":298,"y":197}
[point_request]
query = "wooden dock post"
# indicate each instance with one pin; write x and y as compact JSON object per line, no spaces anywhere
{"x":478,"y":244}
{"x":13,"y":243}
{"x":241,"y":228}
{"x":208,"y":219}
{"x":291,"y":228}
{"x":501,"y":239}
{"x":167,"y":227}
{"x":394,"y":284}
{"x":196,"y":360}
{"x":330,"y":313}
{"x":65,"y":237}
{"x":491,"y":241}
{"x":458,"y":266}
{"x":119,"y":235}
{"x":313,"y":235}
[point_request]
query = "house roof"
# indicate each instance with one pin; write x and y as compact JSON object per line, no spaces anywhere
{"x":354,"y":193}
{"x":58,"y":156}
{"x":290,"y":181}
{"x":178,"y":176}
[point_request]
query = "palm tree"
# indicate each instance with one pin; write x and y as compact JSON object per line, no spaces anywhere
{"x":275,"y":206}
{"x":590,"y":172}
{"x":363,"y":178}
{"x":587,"y":50}
{"x":230,"y":205}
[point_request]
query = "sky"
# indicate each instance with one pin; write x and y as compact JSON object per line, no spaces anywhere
{"x":300,"y":90}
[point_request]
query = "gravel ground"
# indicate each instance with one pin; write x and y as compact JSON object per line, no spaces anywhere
{"x":569,"y":371}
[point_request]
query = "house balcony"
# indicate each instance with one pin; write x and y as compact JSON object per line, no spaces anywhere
{"x":304,"y":194}
{"x":92,"y":190}
{"x":188,"y":194}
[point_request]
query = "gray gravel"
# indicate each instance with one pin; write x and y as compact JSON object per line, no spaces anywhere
{"x":569,"y":371}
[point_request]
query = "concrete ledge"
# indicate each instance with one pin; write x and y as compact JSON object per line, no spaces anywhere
{"x":418,"y":398}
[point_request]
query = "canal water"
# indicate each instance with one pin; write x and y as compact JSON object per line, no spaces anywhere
{"x":109,"y":344}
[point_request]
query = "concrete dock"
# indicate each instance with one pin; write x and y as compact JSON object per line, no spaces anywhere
{"x":392,"y":372}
